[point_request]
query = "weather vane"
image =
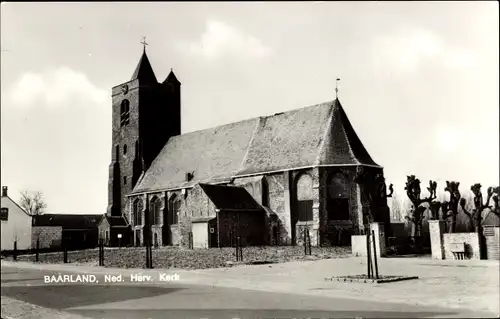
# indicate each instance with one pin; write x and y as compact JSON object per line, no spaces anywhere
{"x":144,"y":42}
{"x":337,"y":88}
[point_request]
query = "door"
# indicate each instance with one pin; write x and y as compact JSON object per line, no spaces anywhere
{"x":200,"y":235}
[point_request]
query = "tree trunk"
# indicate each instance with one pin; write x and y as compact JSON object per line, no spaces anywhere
{"x":453,"y":225}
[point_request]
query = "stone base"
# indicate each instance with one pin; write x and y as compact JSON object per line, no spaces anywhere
{"x":365,"y":279}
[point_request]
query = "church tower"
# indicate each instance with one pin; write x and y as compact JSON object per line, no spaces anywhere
{"x":145,"y":115}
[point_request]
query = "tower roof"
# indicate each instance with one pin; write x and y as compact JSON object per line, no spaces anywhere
{"x":144,"y":71}
{"x":171,"y":78}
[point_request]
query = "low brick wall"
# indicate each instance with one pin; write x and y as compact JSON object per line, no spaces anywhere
{"x":471,"y":241}
{"x":46,"y":234}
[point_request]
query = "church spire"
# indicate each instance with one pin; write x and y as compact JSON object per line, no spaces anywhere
{"x":337,"y":88}
{"x":171,"y":78}
{"x":144,"y":71}
{"x":144,"y":43}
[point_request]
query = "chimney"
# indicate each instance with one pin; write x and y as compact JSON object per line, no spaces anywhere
{"x":4,"y":191}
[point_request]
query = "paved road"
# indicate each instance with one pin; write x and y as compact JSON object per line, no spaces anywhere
{"x":173,"y":300}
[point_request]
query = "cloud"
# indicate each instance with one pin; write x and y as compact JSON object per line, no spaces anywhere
{"x":55,"y":88}
{"x":220,"y":39}
{"x":407,"y":50}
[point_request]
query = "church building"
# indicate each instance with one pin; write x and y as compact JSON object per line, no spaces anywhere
{"x":264,"y":179}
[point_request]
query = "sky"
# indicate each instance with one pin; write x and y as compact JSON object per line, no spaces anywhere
{"x":419,"y":82}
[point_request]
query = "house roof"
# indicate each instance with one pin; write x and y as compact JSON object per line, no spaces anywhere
{"x":230,"y":197}
{"x":67,"y":221}
{"x":116,"y":221}
{"x":7,"y":198}
{"x":311,"y":136}
{"x":144,"y":71}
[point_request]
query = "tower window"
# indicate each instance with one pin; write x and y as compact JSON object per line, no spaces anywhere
{"x":124,"y":180}
{"x":124,"y":149}
{"x":124,"y":112}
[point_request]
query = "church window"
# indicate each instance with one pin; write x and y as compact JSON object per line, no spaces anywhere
{"x":174,"y":205}
{"x":124,"y":112}
{"x":305,"y":198}
{"x":124,"y":180}
{"x":338,"y":197}
{"x":155,"y":209}
{"x":124,"y":149}
{"x":137,"y":211}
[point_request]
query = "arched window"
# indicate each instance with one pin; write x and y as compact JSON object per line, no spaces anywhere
{"x":174,"y":204}
{"x":137,"y":211}
{"x":338,"y":197}
{"x":155,"y":209}
{"x":124,"y":112}
{"x":124,"y":149}
{"x":305,"y":197}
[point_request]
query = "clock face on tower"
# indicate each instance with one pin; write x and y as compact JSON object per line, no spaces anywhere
{"x":124,"y":88}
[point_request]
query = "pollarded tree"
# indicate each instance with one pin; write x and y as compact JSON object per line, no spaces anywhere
{"x":452,"y":205}
{"x":496,"y":208}
{"x":479,"y":206}
{"x":417,"y":212}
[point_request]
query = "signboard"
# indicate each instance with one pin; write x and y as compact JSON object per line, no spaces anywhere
{"x":119,"y":235}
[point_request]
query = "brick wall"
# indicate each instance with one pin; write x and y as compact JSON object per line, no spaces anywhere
{"x":46,"y":235}
{"x":276,"y":188}
{"x":195,"y":204}
{"x":471,"y":241}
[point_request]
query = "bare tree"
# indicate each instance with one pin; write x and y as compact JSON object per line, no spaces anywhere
{"x":32,"y":202}
{"x":413,"y":192}
{"x":452,"y":205}
{"x":467,"y":206}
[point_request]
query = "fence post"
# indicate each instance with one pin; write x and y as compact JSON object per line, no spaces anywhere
{"x":240,"y":248}
{"x":318,"y":239}
{"x":277,"y":239}
{"x":309,"y":245}
{"x":37,"y":249}
{"x":190,"y":240}
{"x":15,"y":250}
{"x":375,"y":253}
{"x":368,"y":264}
{"x":65,"y":252}
{"x":101,"y":252}
{"x":237,"y":248}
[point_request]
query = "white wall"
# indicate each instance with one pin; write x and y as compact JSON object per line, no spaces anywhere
{"x":18,"y":226}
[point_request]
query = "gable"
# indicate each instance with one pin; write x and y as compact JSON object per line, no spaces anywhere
{"x":13,"y":209}
{"x":342,"y":145}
